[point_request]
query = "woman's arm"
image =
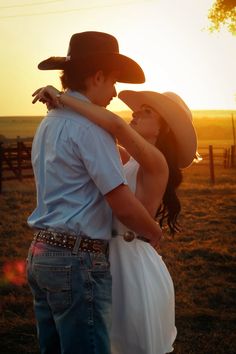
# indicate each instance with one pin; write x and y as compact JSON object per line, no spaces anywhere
{"x":149,"y":158}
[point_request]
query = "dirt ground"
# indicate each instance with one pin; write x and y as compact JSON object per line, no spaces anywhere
{"x":201,"y":260}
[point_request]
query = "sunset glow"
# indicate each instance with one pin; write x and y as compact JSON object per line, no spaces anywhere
{"x":167,"y":38}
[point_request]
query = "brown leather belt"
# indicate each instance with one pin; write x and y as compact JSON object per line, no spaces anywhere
{"x":76,"y":243}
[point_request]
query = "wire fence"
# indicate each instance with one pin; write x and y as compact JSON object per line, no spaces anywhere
{"x":217,"y":156}
{"x":15,"y":159}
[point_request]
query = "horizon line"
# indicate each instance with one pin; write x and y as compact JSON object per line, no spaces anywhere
{"x":233,"y":110}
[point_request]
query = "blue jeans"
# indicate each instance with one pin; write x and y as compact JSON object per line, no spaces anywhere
{"x":72,"y":299}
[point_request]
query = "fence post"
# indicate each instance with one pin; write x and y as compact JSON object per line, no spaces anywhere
{"x":19,"y":159}
{"x":232,"y":155}
{"x":225,"y":158}
{"x":211,"y":164}
{"x":228,"y":157}
{"x":1,"y":165}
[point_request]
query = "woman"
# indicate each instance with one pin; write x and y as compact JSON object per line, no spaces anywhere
{"x":143,"y":294}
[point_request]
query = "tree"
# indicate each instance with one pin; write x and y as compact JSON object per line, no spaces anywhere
{"x":223,"y":12}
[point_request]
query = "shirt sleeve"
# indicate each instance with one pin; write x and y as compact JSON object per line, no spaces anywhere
{"x":101,"y":158}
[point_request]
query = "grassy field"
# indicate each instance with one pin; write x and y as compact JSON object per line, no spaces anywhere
{"x":201,"y":260}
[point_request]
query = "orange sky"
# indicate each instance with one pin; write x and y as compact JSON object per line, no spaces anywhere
{"x":167,"y":37}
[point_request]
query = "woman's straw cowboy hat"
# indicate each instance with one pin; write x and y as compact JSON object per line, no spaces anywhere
{"x":92,"y":48}
{"x":175,"y":113}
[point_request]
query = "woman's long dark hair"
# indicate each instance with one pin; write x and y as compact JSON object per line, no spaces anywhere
{"x":170,"y":208}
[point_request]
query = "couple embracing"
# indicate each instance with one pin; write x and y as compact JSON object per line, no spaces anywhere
{"x":98,"y":282}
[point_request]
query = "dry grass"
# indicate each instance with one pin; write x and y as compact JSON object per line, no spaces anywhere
{"x":201,"y":260}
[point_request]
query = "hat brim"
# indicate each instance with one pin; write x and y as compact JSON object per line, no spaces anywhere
{"x":177,"y":117}
{"x":52,"y":63}
{"x":128,"y":70}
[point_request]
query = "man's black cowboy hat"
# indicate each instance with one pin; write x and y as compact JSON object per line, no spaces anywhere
{"x":97,"y":47}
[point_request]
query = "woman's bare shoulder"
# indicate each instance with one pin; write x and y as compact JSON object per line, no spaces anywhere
{"x":125,"y":156}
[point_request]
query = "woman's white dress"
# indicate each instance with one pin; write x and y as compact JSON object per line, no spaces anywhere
{"x":143,"y":308}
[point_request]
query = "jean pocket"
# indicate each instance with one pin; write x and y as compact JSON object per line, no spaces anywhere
{"x":99,"y":262}
{"x":56,"y":282}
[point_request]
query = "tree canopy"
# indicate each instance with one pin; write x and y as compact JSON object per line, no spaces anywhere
{"x":223,"y":12}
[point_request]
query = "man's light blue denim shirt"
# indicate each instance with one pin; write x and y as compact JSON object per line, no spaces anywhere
{"x":75,"y":164}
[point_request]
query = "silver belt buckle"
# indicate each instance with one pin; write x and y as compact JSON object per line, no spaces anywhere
{"x":129,"y":236}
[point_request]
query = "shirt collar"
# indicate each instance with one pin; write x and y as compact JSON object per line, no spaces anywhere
{"x":78,"y":95}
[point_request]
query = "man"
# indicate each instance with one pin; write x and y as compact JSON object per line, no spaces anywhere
{"x":80,"y":182}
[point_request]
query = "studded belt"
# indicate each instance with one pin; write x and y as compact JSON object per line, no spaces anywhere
{"x":76,"y":243}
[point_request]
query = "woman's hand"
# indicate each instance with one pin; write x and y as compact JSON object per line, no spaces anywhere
{"x":48,"y":95}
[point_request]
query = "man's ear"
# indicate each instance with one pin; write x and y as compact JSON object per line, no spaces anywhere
{"x":98,"y":78}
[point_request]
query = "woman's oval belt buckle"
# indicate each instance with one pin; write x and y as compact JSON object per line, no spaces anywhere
{"x":129,"y":236}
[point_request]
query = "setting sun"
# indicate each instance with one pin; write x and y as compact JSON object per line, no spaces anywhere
{"x":168,"y":39}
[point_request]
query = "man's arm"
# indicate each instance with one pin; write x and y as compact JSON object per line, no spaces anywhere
{"x":128,"y":209}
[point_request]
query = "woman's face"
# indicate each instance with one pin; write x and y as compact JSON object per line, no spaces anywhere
{"x":146,"y":122}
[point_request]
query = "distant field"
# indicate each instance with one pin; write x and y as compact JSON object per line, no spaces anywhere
{"x":213,"y":127}
{"x":11,"y":127}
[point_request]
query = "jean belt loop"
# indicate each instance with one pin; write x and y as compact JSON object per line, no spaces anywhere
{"x":76,"y":246}
{"x":107,"y":251}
